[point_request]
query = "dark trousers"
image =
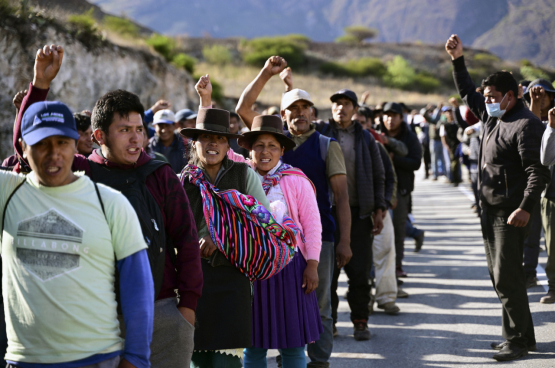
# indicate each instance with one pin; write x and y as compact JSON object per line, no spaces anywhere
{"x":426,"y":156}
{"x":532,"y":242}
{"x":357,"y":269}
{"x":400,"y":214}
{"x":455,"y":168}
{"x":504,"y":245}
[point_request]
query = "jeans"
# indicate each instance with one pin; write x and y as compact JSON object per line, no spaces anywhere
{"x":290,"y":358}
{"x":504,"y":246}
{"x":400,"y":214}
{"x":319,"y":352}
{"x":357,"y":269}
{"x":383,"y":252}
{"x":532,"y":242}
{"x":438,"y":162}
{"x":548,"y":218}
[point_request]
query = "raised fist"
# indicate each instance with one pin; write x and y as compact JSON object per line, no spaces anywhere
{"x":160,"y":105}
{"x":551,"y":117}
{"x":537,"y":93}
{"x":47,"y":65}
{"x":454,"y":47}
{"x":18,"y":99}
{"x":287,"y":77}
{"x":275,"y":65}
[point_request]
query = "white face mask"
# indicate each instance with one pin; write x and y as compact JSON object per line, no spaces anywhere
{"x":494,"y":109}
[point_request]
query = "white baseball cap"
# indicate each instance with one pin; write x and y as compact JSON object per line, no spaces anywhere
{"x":164,"y":117}
{"x":294,"y":95}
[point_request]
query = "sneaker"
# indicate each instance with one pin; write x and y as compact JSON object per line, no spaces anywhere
{"x":531,"y":281}
{"x":402,"y":293}
{"x":335,"y":332}
{"x":390,"y":308}
{"x":419,"y":241}
{"x":549,"y":298}
{"x":510,"y":352}
{"x":361,"y":333}
{"x":501,"y":345}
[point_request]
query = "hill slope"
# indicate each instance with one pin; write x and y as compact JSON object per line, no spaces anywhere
{"x":513,"y":29}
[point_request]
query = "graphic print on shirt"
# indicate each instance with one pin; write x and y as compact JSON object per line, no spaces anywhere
{"x":42,"y":241}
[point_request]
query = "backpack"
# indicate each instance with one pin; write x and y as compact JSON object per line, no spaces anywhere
{"x":132,"y":184}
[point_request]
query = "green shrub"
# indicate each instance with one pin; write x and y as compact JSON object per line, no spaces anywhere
{"x":530,"y":73}
{"x":185,"y":61}
{"x":216,"y":54}
{"x":355,"y":68}
{"x":121,"y":25}
{"x":6,"y":9}
{"x":83,"y":24}
{"x":477,"y":74}
{"x":400,"y":74}
{"x":426,"y":83}
{"x":526,"y":62}
{"x":361,"y":33}
{"x":163,"y":45}
{"x":217,"y":90}
{"x":484,"y":58}
{"x":347,"y":39}
{"x":257,"y":51}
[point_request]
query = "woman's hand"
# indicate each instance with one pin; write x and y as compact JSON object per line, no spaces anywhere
{"x":207,"y":247}
{"x":204,"y":90}
{"x":310,"y":275}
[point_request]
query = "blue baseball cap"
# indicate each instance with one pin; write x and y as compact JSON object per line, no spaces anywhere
{"x":446,"y":108}
{"x":45,"y":119}
{"x":185,"y":114}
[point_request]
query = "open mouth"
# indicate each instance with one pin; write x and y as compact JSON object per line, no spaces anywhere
{"x":133,"y":150}
{"x":52,"y":170}
{"x":212,"y":152}
{"x":265,"y":160}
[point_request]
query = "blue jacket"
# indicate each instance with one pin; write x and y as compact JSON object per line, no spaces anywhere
{"x":177,"y":155}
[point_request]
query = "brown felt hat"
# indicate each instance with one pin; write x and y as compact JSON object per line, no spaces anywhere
{"x":210,"y":121}
{"x":266,"y":124}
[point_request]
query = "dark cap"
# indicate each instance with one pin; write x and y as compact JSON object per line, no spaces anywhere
{"x":44,"y":119}
{"x":393,"y":107}
{"x":345,"y":93}
{"x":547,"y":87}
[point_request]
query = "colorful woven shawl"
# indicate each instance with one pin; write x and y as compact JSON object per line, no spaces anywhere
{"x":243,"y":230}
{"x":271,"y":180}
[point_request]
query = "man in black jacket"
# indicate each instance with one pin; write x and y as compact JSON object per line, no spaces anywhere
{"x":511,"y":179}
{"x":395,"y":127}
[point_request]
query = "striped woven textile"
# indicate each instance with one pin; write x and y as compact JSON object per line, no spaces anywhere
{"x":243,"y":230}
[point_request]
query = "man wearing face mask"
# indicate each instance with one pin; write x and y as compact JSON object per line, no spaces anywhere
{"x":510,"y":181}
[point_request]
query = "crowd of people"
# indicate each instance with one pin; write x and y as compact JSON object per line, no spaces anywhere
{"x":135,"y":238}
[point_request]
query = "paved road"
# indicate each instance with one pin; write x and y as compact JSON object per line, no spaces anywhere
{"x":452,"y":313}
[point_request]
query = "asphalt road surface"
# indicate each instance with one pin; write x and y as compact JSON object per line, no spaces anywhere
{"x":452,"y":314}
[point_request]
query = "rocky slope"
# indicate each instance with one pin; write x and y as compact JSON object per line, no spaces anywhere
{"x":87,"y":72}
{"x":513,"y":29}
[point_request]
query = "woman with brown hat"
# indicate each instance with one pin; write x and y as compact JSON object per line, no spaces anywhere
{"x":223,"y":316}
{"x":285,"y":308}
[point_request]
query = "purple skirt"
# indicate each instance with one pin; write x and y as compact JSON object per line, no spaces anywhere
{"x":283,"y":315}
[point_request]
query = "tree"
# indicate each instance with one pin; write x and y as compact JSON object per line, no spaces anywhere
{"x":361,"y":32}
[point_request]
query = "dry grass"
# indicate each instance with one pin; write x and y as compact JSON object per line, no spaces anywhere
{"x":235,"y":78}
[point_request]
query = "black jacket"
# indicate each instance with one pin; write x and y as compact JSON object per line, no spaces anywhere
{"x":511,"y":175}
{"x":407,"y":165}
{"x":177,"y":156}
{"x":369,"y":167}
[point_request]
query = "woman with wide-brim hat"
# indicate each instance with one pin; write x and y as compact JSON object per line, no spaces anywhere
{"x":285,"y":309}
{"x":223,"y":314}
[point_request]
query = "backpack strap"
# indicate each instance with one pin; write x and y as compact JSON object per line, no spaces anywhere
{"x":100,"y":200}
{"x":6,"y":206}
{"x":324,"y":146}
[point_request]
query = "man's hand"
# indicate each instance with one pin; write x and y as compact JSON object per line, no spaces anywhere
{"x":47,"y":65}
{"x":454,"y":47}
{"x":18,"y":99}
{"x":204,"y":90}
{"x":536,"y":94}
{"x":343,"y":254}
{"x":519,"y":218}
{"x":287,"y":77}
{"x":365,"y":96}
{"x":454,"y":102}
{"x":274,"y":65}
{"x":160,"y":105}
{"x":207,"y":247}
{"x":378,"y":222}
{"x":188,"y":314}
{"x":125,"y":364}
{"x":551,"y":117}
{"x":310,"y":276}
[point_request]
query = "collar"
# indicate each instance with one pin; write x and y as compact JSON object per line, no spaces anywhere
{"x":271,"y":172}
